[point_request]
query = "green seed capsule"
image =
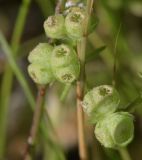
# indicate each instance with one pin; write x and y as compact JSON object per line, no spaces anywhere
{"x":67,"y":74}
{"x":63,"y":55}
{"x":54,"y":26}
{"x":41,"y":54}
{"x":65,"y":63}
{"x":40,"y":67}
{"x":74,"y":23}
{"x":100,"y":101}
{"x":40,"y":73}
{"x":115,"y":130}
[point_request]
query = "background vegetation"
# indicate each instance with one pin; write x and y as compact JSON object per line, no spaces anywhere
{"x":114,"y":55}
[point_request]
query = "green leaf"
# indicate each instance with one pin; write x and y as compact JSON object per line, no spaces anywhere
{"x":93,"y":23}
{"x":140,"y":74}
{"x":92,"y":56}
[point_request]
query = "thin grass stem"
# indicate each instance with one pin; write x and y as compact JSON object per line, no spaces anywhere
{"x":8,"y":75}
{"x":16,"y":70}
{"x":14,"y":67}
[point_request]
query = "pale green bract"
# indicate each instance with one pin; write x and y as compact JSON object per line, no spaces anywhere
{"x":54,"y":26}
{"x":115,"y":130}
{"x":65,"y":64}
{"x":100,"y":101}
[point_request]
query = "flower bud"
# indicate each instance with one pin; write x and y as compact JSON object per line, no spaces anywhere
{"x":40,"y":73}
{"x":41,"y":54}
{"x":75,"y":22}
{"x":100,"y":101}
{"x":54,"y":26}
{"x":115,"y":130}
{"x":65,"y":63}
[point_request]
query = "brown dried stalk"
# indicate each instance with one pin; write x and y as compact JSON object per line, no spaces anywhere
{"x":36,"y":121}
{"x":39,"y":104}
{"x":81,"y":50}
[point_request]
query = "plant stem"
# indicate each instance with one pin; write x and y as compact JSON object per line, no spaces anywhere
{"x":36,"y":120}
{"x":81,"y":50}
{"x":52,"y":143}
{"x":124,"y":154}
{"x":28,"y":93}
{"x":19,"y":25}
{"x":65,"y":92}
{"x":8,"y":75}
{"x":38,"y":108}
{"x":80,"y":114}
{"x":59,"y":6}
{"x":14,"y":67}
{"x":115,"y":58}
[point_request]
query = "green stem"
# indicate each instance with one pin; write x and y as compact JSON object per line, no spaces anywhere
{"x":57,"y":149}
{"x":8,"y":76}
{"x":124,"y":154}
{"x":27,"y":92}
{"x":65,"y":92}
{"x":19,"y":25}
{"x":14,"y":67}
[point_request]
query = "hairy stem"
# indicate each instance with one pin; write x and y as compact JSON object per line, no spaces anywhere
{"x":81,"y":50}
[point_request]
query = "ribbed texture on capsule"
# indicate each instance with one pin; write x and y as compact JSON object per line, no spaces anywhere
{"x":54,"y":26}
{"x":65,"y":63}
{"x":100,"y":101}
{"x":40,"y":67}
{"x":75,"y":22}
{"x":115,"y":130}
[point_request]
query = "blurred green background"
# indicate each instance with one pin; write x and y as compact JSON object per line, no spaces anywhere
{"x":114,"y":54}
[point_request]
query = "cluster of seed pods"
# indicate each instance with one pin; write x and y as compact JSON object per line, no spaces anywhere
{"x":60,"y":62}
{"x":113,"y":129}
